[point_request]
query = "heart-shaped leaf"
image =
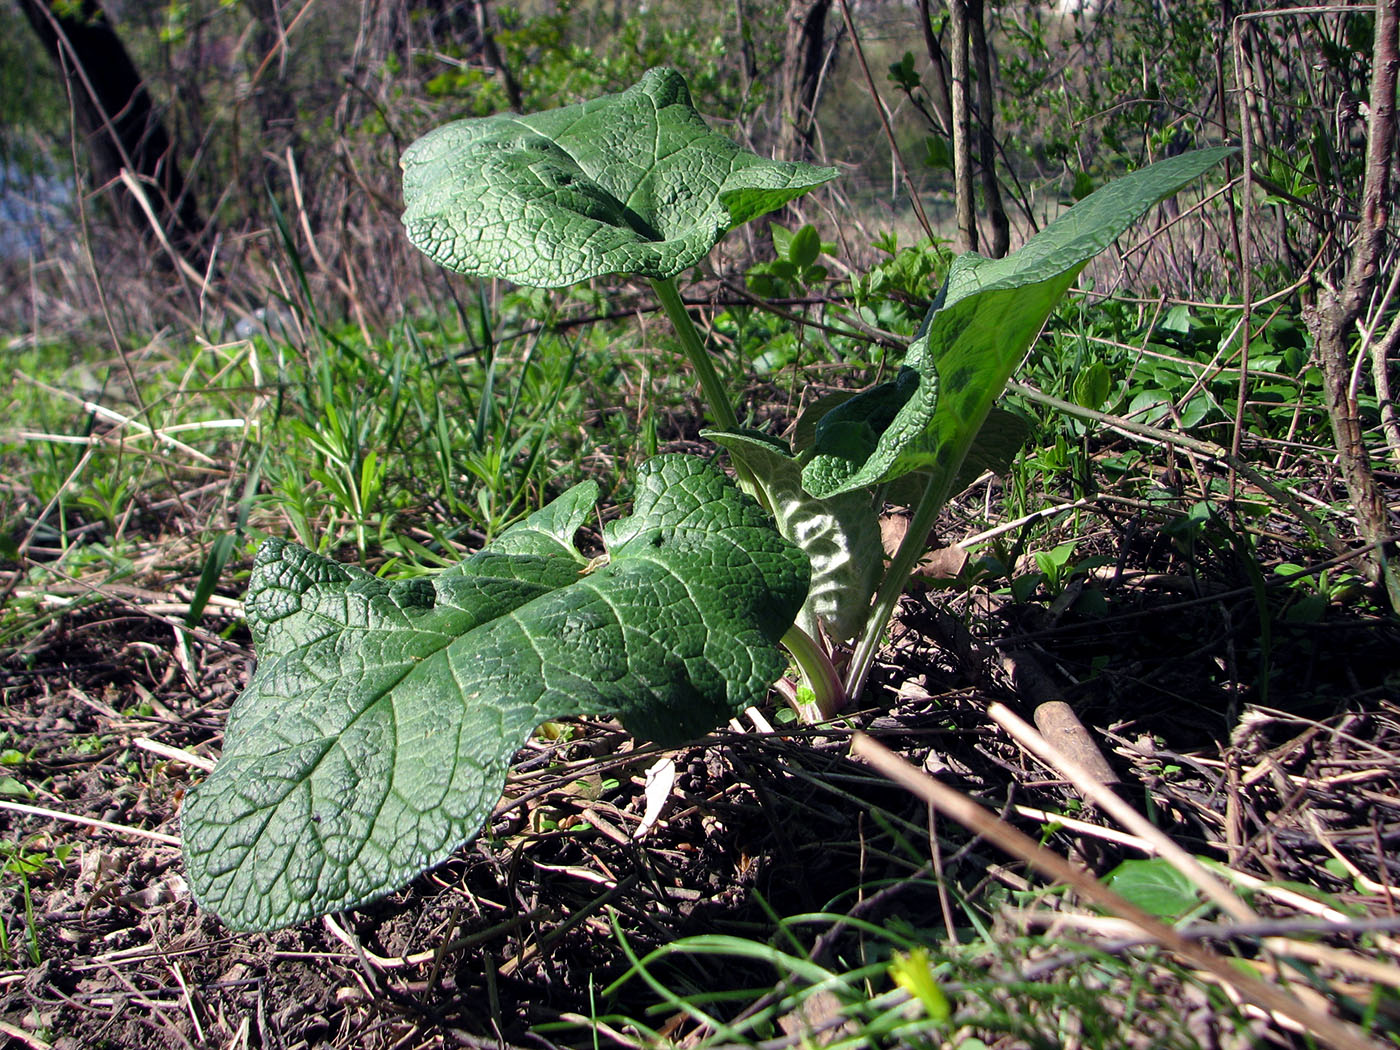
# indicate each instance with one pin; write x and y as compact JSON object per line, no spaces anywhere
{"x":632,"y":183}
{"x":374,"y":738}
{"x":985,"y":318}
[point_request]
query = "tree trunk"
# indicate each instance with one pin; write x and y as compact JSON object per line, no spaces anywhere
{"x":962,"y":127}
{"x":1334,"y":321}
{"x":120,"y":125}
{"x":986,"y":143}
{"x":942,"y":98}
{"x":492,"y":54}
{"x":804,"y":53}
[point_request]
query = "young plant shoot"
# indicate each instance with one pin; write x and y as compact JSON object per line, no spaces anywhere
{"x":375,"y":735}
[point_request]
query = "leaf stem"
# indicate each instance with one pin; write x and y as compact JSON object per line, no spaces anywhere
{"x":817,"y":669}
{"x":816,"y":666}
{"x":721,"y":409}
{"x":911,"y":548}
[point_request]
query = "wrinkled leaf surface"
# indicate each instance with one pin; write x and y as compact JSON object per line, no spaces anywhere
{"x":840,"y":536}
{"x":375,"y":735}
{"x":986,"y":317}
{"x":632,"y":183}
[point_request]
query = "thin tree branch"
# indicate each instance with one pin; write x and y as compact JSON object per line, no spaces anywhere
{"x":885,"y":121}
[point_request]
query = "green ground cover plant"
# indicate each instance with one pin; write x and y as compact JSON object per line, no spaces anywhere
{"x":375,"y":737}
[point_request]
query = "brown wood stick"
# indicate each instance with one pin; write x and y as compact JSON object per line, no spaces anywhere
{"x":1053,"y":716}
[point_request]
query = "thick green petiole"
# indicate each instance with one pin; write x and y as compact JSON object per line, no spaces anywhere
{"x":816,"y":667}
{"x":721,"y":408}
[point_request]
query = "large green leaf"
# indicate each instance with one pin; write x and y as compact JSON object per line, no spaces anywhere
{"x":840,"y":536}
{"x":631,"y":183}
{"x":986,"y":317}
{"x":374,"y":737}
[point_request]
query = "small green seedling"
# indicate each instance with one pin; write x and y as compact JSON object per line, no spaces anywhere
{"x":374,"y":738}
{"x":794,"y":266}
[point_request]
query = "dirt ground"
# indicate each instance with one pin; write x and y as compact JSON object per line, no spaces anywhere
{"x":1271,"y":748}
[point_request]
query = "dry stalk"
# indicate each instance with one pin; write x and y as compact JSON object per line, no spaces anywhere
{"x":1097,"y":792}
{"x":885,"y":121}
{"x":1325,"y":1027}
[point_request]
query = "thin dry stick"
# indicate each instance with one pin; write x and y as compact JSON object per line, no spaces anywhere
{"x":1380,"y":352}
{"x":122,"y":421}
{"x":885,"y":122}
{"x":335,"y":278}
{"x":122,"y":595}
{"x":448,"y":945}
{"x":1293,"y":899}
{"x":186,"y":272}
{"x":1151,"y":236}
{"x":1095,"y":791}
{"x":1141,"y":430}
{"x":1017,"y":523}
{"x":1367,"y":331}
{"x":1338,"y":958}
{"x":177,"y":754}
{"x":1368,"y":884}
{"x":189,"y":999}
{"x":1270,"y":930}
{"x":92,"y":822}
{"x":54,"y":501}
{"x":1244,"y":241}
{"x":66,"y":55}
{"x":1083,"y":827}
{"x":1282,"y":293}
{"x":135,"y":995}
{"x":83,"y":222}
{"x":294,"y":176}
{"x":279,"y":48}
{"x":1327,"y":1028}
{"x":21,"y":1037}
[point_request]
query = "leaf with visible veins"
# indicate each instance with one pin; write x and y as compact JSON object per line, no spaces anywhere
{"x":984,"y":320}
{"x":374,"y":737}
{"x":632,"y":183}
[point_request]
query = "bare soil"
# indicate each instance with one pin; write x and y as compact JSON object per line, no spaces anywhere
{"x":1273,"y":749}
